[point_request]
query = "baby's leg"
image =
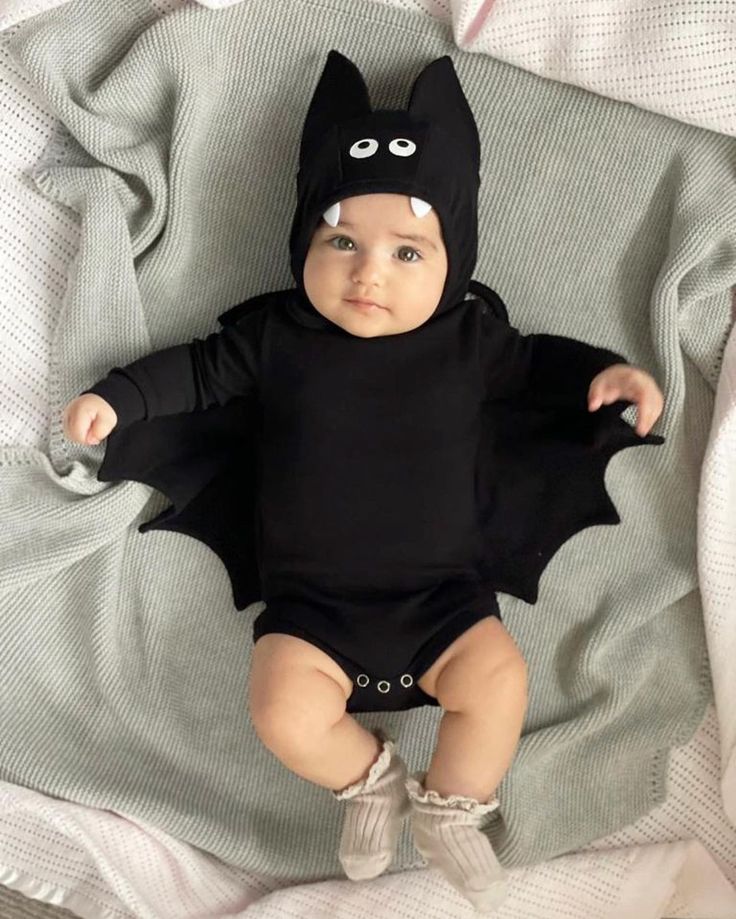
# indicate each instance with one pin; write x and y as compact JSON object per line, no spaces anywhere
{"x":297,"y":701}
{"x":480,"y":682}
{"x":298,"y":697}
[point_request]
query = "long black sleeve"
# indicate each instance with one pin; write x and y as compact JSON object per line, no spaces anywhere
{"x":544,"y":370}
{"x":187,"y":377}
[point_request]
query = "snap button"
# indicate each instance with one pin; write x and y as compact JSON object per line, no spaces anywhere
{"x":407,"y":679}
{"x":362,"y":680}
{"x":385,"y":684}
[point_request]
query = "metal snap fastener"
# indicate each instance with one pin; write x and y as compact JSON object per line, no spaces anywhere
{"x":362,"y":680}
{"x":383,"y":683}
{"x":407,"y":679}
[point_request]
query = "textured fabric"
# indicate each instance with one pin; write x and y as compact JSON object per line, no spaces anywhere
{"x":446,"y":830}
{"x":14,"y":11}
{"x":674,"y":58}
{"x":664,"y":202}
{"x":95,"y":854}
{"x":374,"y":811}
{"x":717,"y":563}
{"x":101,"y":864}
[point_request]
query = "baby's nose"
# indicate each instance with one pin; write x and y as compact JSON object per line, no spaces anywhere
{"x":367,"y":269}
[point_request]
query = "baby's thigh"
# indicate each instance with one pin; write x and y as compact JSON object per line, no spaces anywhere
{"x":294,"y":687}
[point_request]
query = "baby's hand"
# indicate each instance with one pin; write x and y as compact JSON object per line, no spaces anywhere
{"x":621,"y":381}
{"x":88,"y":418}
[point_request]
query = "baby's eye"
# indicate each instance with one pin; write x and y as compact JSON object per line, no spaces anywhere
{"x":339,"y":239}
{"x":414,"y":251}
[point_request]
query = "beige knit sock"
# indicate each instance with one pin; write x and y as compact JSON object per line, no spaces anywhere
{"x":376,"y":807}
{"x":446,"y":833}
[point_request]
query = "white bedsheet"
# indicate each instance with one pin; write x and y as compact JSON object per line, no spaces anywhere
{"x":679,"y":861}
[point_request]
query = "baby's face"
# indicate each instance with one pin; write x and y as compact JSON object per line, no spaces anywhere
{"x":363,"y":258}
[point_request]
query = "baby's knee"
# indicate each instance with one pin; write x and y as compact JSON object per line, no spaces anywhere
{"x":279,"y":728}
{"x":482,"y":674}
{"x":508,"y":671}
{"x":292,"y":707}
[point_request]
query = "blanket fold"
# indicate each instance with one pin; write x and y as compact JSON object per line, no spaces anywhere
{"x":125,"y":663}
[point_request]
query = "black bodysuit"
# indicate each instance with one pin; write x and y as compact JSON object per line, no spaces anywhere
{"x":370,"y":480}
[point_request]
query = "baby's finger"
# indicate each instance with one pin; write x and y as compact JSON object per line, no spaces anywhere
{"x":647,"y":412}
{"x":79,"y":428}
{"x":94,"y":436}
{"x":97,"y":430}
{"x":644,"y":422}
{"x":602,"y":395}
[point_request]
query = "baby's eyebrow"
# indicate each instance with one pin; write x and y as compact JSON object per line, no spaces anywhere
{"x":416,"y":239}
{"x":412,"y":236}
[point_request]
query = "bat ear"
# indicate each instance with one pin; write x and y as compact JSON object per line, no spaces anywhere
{"x":437,"y":96}
{"x":341,"y":94}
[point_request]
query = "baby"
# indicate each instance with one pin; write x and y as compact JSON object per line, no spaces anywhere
{"x":370,"y":437}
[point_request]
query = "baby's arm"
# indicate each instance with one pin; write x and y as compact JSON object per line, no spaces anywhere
{"x":183,"y":378}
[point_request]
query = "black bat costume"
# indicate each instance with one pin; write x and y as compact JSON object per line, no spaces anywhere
{"x":374,"y":492}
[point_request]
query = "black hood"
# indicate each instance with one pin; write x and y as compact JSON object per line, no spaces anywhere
{"x":429,"y":151}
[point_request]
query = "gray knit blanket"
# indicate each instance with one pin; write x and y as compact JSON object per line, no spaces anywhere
{"x":124,"y":662}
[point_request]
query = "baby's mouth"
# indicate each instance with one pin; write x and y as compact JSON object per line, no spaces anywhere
{"x":363,"y":304}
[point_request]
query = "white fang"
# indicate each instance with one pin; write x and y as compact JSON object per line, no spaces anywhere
{"x":332,"y":214}
{"x":420,"y":208}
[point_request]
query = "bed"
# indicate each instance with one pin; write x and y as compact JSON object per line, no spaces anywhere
{"x":679,"y":859}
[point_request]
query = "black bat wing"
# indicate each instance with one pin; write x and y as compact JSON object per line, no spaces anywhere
{"x":543,"y":481}
{"x":542,"y":477}
{"x":206,"y":464}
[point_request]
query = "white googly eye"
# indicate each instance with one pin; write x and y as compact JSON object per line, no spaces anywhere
{"x":363,"y":148}
{"x":400,"y":146}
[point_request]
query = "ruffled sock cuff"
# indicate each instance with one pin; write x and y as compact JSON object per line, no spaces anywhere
{"x":378,"y":768}
{"x":417,"y":792}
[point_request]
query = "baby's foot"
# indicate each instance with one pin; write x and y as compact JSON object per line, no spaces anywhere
{"x":446,"y":833}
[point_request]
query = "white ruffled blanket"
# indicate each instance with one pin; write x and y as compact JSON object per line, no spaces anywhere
{"x":101,"y":864}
